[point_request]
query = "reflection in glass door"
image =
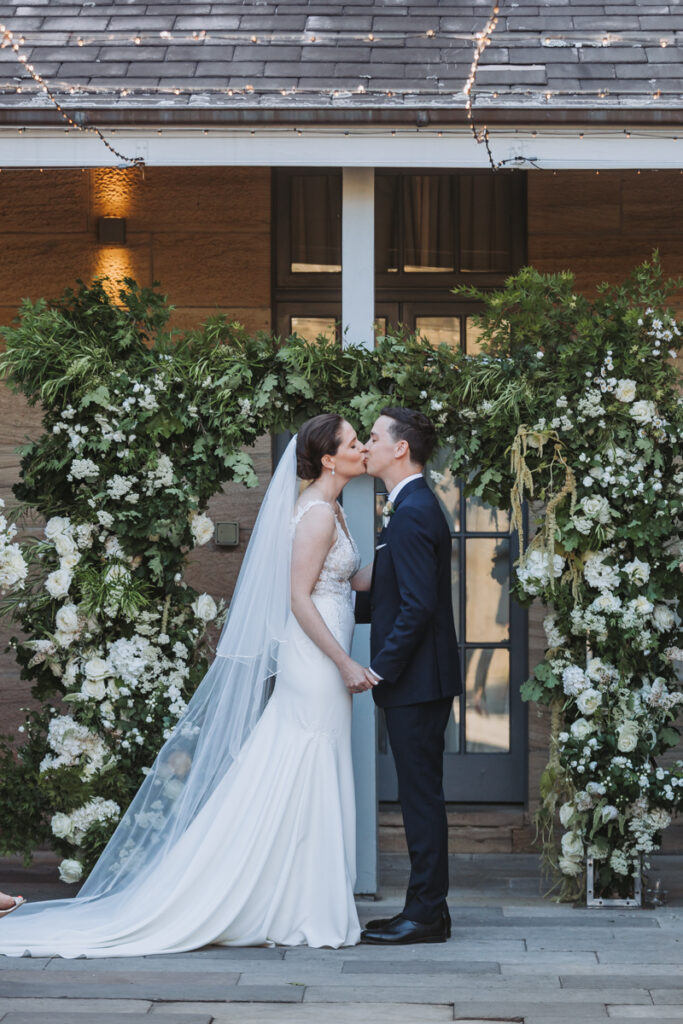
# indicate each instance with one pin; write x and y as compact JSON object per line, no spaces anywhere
{"x":485,"y":756}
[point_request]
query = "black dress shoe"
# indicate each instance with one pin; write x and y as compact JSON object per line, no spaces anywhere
{"x":402,"y":932}
{"x":382,"y":922}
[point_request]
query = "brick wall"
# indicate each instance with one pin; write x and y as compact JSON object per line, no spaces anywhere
{"x":203,"y":232}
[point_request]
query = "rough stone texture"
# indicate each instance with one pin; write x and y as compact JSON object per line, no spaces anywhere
{"x":363,"y":55}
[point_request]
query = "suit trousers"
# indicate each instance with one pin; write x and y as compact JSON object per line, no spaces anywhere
{"x":416,"y":734}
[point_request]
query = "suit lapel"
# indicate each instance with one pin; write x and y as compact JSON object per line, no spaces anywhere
{"x":403,"y":493}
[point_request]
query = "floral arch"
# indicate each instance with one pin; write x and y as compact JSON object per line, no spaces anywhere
{"x":574,"y":405}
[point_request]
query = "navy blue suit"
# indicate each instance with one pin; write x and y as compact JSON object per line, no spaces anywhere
{"x":414,"y":650}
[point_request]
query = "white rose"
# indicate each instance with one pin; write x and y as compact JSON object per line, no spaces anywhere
{"x":95,"y":688}
{"x":663,"y":618}
{"x":589,"y":701}
{"x":202,"y":528}
{"x":570,"y":866}
{"x":625,"y":390}
{"x":64,"y":544}
{"x":70,"y":870}
{"x":580,"y":729}
{"x":596,"y":507}
{"x":637,"y":571}
{"x":57,"y":583}
{"x":566,"y":813}
{"x":97,"y":668}
{"x":61,"y":825}
{"x":63,"y":638}
{"x":627,"y":736}
{"x":56,"y":525}
{"x":643,"y":412}
{"x":13,"y":568}
{"x":205,"y":608}
{"x":66,"y":618}
{"x":572,"y":844}
{"x":69,"y":561}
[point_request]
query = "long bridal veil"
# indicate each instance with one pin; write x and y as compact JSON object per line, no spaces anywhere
{"x":221,"y":714}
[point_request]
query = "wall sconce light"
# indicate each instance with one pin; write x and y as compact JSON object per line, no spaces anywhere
{"x":111,"y":230}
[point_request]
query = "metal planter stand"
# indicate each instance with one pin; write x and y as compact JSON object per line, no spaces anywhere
{"x":592,"y":900}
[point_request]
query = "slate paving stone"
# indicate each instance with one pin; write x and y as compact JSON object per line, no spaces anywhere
{"x":119,"y":984}
{"x":226,"y":953}
{"x":314,"y":1013}
{"x":520,"y":1008}
{"x":421,"y":967}
{"x":672,"y":996}
{"x":650,"y":981}
{"x":645,"y":1013}
{"x":134,"y":965}
{"x":98,"y":1017}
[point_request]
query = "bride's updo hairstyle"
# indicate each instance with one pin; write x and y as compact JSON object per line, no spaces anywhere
{"x":317,"y":437}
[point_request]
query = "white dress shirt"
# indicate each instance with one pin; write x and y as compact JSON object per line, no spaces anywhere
{"x":395,"y":491}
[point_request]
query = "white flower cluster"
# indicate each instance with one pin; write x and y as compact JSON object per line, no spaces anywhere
{"x":664,"y":330}
{"x":69,"y":541}
{"x":75,"y":744}
{"x":74,"y":826}
{"x":13,"y":568}
{"x":161,"y":476}
{"x":534,"y":571}
{"x":202,"y":528}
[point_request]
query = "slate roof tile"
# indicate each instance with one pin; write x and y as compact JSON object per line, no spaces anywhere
{"x":189,"y":51}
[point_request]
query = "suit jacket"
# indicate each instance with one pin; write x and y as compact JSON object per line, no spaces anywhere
{"x":412,"y":635}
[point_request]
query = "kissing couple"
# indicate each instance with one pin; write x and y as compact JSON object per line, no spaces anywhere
{"x":243,"y":830}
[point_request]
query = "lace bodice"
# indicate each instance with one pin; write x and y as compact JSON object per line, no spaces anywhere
{"x":343,"y":559}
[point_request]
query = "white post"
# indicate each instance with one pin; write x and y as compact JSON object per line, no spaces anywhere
{"x":358,"y":314}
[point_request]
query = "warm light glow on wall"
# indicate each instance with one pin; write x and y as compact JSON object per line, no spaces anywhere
{"x":115,"y":262}
{"x":113,"y":190}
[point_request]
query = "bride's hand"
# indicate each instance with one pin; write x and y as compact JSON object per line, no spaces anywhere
{"x":355,"y":677}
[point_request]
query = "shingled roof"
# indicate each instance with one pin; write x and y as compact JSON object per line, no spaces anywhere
{"x":352,"y":55}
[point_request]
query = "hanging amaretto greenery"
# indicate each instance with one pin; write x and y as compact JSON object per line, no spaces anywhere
{"x":573,"y":404}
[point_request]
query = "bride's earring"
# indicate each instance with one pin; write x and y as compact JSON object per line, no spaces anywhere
{"x":333,"y":471}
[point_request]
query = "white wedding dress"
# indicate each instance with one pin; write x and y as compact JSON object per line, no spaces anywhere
{"x":270,"y":857}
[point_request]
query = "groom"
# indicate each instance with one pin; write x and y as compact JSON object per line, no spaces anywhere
{"x":414,"y":663}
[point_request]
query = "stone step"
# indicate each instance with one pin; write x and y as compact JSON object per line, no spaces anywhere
{"x":98,"y":1017}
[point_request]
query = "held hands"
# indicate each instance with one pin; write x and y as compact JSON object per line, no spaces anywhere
{"x":356,"y":678}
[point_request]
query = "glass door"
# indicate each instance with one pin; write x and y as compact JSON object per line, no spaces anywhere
{"x":486,"y":741}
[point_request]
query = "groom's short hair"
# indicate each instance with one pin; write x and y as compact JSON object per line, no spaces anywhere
{"x":415,"y":428}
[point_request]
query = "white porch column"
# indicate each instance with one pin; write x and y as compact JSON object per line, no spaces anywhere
{"x":358,"y":314}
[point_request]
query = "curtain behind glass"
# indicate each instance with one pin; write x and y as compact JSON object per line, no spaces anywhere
{"x":315,"y":211}
{"x":485,"y":222}
{"x":428,"y":219}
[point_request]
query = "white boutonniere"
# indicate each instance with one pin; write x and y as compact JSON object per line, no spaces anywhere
{"x":387,"y":512}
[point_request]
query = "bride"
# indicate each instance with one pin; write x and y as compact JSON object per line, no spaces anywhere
{"x":243,"y":831}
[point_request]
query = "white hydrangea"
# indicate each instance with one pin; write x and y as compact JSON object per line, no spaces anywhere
{"x":663,"y":618}
{"x":598,"y":574}
{"x":161,"y":476}
{"x":534,"y":573}
{"x":573,"y":680}
{"x":119,"y":485}
{"x":554,"y":637}
{"x":82,"y":469}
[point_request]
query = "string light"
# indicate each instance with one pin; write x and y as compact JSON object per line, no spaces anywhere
{"x":483,"y":40}
{"x":8,"y":39}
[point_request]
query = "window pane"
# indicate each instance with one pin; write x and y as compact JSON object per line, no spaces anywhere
{"x":487,"y":688}
{"x":387,"y":221}
{"x":445,"y":487}
{"x":452,"y":738}
{"x":315,"y":225}
{"x":439,"y":330}
{"x":428,"y":223}
{"x":472,"y":337}
{"x":487,"y":608}
{"x":483,"y":518}
{"x":311,"y":327}
{"x":455,"y":583}
{"x":380,"y":326}
{"x":485,"y":222}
